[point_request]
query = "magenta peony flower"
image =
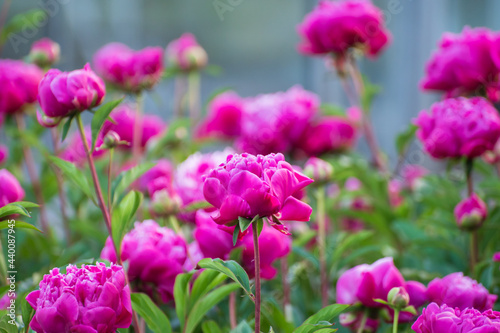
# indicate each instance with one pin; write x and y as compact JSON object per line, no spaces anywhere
{"x":162,"y":169}
{"x":88,"y":299}
{"x":459,"y":127}
{"x":75,"y":153}
{"x":10,"y":189}
{"x":4,"y":153}
{"x":436,"y":319}
{"x":44,"y":52}
{"x":464,"y":64}
{"x":125,"y":118}
{"x":248,"y":185}
{"x":155,"y":257}
{"x":272,"y":246}
{"x":130,"y":70}
{"x":337,"y":26}
{"x":224,"y":117}
{"x":471,"y":212}
{"x":496,"y":256}
{"x":18,"y":85}
{"x":186,"y":54}
{"x":212,"y":241}
{"x":63,"y":93}
{"x":328,"y":134}
{"x":459,"y":291}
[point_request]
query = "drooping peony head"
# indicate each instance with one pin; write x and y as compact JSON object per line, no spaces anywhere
{"x":464,"y":64}
{"x":125,"y":118}
{"x":435,"y":318}
{"x":10,"y":189}
{"x":63,"y":93}
{"x":247,"y":186}
{"x":336,"y":26}
{"x":87,"y":299}
{"x":212,"y":241}
{"x":131,"y":71}
{"x":186,"y":54}
{"x":155,"y":257}
{"x":75,"y":152}
{"x":44,"y":52}
{"x":18,"y":85}
{"x":471,"y":212}
{"x":272,"y":246}
{"x":224,"y":117}
{"x":459,"y":291}
{"x":459,"y":127}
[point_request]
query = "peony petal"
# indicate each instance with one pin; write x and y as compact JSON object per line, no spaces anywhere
{"x":295,"y":210}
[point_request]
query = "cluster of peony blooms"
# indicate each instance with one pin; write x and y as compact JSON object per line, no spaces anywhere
{"x":287,"y":122}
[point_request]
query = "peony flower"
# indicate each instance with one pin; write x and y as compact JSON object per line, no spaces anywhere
{"x":10,"y":189}
{"x":186,"y":54}
{"x":464,"y":64}
{"x":412,"y":174}
{"x":224,"y":117}
{"x":44,"y":52}
{"x":18,"y":85}
{"x":131,"y":71}
{"x":88,"y":299}
{"x":162,"y":169}
{"x":155,"y":256}
{"x":75,"y":152}
{"x":394,"y":188}
{"x":212,"y":241}
{"x":436,"y":319}
{"x":337,"y":26}
{"x":249,"y":186}
{"x":63,"y":93}
{"x":318,"y":169}
{"x":125,"y":118}
{"x":496,"y":256}
{"x":328,"y":134}
{"x":459,"y":127}
{"x":459,"y":291}
{"x":272,"y":246}
{"x":471,"y":212}
{"x":492,"y":156}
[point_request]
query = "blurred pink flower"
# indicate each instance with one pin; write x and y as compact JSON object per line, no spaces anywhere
{"x":130,"y":70}
{"x":411,"y":174}
{"x":213,"y":242}
{"x":337,"y":26}
{"x":74,"y":151}
{"x":471,"y":212}
{"x":10,"y":189}
{"x":186,"y":54}
{"x":44,"y":52}
{"x":4,"y":153}
{"x":394,"y":188}
{"x":88,"y":299}
{"x":459,"y":127}
{"x":162,"y":169}
{"x":18,"y":85}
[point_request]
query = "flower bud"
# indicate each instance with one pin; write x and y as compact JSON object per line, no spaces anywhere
{"x":471,"y":212}
{"x":319,"y":170}
{"x":398,"y":298}
{"x":111,"y":140}
{"x":44,"y":52}
{"x":186,"y":54}
{"x":47,"y":121}
{"x":164,"y":203}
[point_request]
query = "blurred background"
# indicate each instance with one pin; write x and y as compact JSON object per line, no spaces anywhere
{"x":254,"y":42}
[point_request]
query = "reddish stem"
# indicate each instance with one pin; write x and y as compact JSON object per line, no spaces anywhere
{"x":138,"y":127}
{"x":257,"y":276}
{"x":232,"y":311}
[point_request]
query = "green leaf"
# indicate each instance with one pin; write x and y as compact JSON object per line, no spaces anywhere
{"x":20,"y":225}
{"x":260,"y":226}
{"x":156,"y":320}
{"x":30,"y":18}
{"x":236,"y":233}
{"x":242,"y":327}
{"x":206,"y":281}
{"x":213,"y":70}
{"x":126,"y":178}
{"x":181,"y":296}
{"x":27,"y":311}
{"x":100,"y":117}
{"x":66,"y":127}
{"x":196,"y":206}
{"x":123,"y":216}
{"x":6,"y":327}
{"x":230,"y":268}
{"x":78,"y":178}
{"x":403,"y":140}
{"x":371,"y":90}
{"x":332,"y":110}
{"x":13,"y":208}
{"x":244,"y":223}
{"x":210,"y":326}
{"x":321,"y":319}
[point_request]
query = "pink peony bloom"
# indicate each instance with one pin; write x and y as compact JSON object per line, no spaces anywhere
{"x":162,"y":169}
{"x":125,"y":118}
{"x":10,"y":189}
{"x":249,"y":186}
{"x":45,"y":52}
{"x":195,"y":255}
{"x":496,"y":257}
{"x":459,"y":127}
{"x":436,"y":319}
{"x":412,"y":174}
{"x":459,"y":291}
{"x":75,"y":153}
{"x":18,"y":85}
{"x":272,"y":246}
{"x":186,"y":54}
{"x":464,"y":64}
{"x":213,"y":242}
{"x":63,"y":93}
{"x":224,"y":117}
{"x":337,"y":26}
{"x":4,"y":153}
{"x":471,"y":212}
{"x":394,"y":188}
{"x":155,"y":257}
{"x":88,"y":299}
{"x":328,"y":134}
{"x":130,"y":70}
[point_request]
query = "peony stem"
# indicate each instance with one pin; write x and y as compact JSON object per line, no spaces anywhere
{"x":257,"y":276}
{"x":104,"y":210}
{"x":474,"y":244}
{"x":233,"y":320}
{"x":286,"y":287}
{"x":396,"y":321}
{"x":179,"y":93}
{"x":362,"y":325}
{"x":137,"y":138}
{"x":32,"y":172}
{"x":320,"y":197}
{"x":194,"y":96}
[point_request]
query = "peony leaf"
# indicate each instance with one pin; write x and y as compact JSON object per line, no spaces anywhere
{"x":321,"y":319}
{"x":244,"y":223}
{"x":5,"y":326}
{"x":236,"y":234}
{"x":156,"y":320}
{"x":210,"y":326}
{"x":206,"y":281}
{"x":242,"y":327}
{"x":100,"y":117}
{"x":196,"y":206}
{"x":19,"y":224}
{"x":181,"y":296}
{"x":123,"y":216}
{"x":13,"y":208}
{"x":66,"y":127}
{"x":126,"y":178}
{"x":404,"y":139}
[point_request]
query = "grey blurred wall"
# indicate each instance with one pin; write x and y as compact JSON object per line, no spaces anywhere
{"x":254,"y":41}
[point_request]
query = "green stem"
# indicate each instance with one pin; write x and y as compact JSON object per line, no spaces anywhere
{"x":257,"y":275}
{"x":396,"y":321}
{"x":474,"y":243}
{"x":320,"y":216}
{"x":364,"y":319}
{"x":194,"y":96}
